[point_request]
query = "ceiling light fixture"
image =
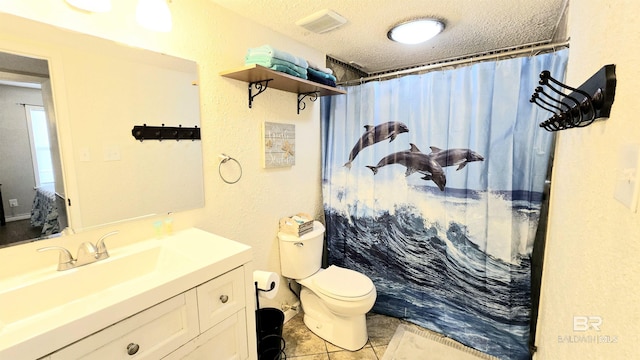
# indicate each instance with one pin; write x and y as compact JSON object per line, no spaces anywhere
{"x":91,"y":5}
{"x":415,"y":31}
{"x":154,"y":15}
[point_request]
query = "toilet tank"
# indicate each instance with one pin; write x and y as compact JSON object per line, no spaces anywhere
{"x":300,"y":257}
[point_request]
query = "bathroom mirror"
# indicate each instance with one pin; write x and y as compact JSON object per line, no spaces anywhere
{"x":30,"y":167}
{"x":100,"y":90}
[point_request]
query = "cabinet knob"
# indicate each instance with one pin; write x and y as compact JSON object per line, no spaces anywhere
{"x":224,"y":298}
{"x":132,"y":348}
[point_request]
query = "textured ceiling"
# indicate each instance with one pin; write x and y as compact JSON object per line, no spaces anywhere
{"x":472,"y":27}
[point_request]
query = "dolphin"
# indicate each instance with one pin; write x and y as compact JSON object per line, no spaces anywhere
{"x":415,"y":161}
{"x":376,"y":134}
{"x":453,"y":157}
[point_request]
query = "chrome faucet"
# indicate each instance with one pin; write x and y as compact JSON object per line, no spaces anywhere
{"x":87,"y":253}
{"x":101,"y":248}
{"x":65,"y":261}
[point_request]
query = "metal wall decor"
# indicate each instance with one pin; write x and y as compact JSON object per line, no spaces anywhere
{"x":144,"y":132}
{"x":589,"y":102}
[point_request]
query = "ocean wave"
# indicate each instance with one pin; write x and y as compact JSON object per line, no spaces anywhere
{"x":508,"y":235}
{"x":437,"y":279}
{"x":454,"y":261}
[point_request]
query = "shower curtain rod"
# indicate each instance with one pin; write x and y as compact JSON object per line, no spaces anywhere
{"x":471,"y":59}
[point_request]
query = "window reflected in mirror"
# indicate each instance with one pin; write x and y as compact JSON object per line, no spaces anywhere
{"x":31,"y":206}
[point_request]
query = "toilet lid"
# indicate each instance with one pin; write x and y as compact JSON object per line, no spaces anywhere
{"x":342,"y":282}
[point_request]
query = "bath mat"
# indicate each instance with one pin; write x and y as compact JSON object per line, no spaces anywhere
{"x":409,"y":343}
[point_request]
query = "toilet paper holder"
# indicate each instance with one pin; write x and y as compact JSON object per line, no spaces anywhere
{"x":271,"y":287}
{"x":255,"y":283}
{"x":266,"y":284}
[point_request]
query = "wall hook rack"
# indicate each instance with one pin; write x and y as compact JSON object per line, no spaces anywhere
{"x":584,"y":105}
{"x":313,"y":96}
{"x":144,"y":132}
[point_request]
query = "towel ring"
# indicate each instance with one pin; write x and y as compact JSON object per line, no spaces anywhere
{"x":223,"y":159}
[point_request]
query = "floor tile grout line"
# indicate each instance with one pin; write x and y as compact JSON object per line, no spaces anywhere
{"x":380,"y":327}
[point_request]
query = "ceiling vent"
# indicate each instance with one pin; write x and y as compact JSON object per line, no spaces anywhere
{"x":322,"y":21}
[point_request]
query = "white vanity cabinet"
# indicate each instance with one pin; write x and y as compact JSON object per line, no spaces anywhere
{"x":205,"y":322}
{"x":150,"y":334}
{"x":224,"y":341}
{"x":223,"y":326}
{"x":185,"y":296}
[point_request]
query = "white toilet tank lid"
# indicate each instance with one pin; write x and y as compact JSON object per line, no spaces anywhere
{"x":342,"y":282}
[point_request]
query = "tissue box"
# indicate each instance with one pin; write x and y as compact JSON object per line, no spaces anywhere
{"x":297,"y":225}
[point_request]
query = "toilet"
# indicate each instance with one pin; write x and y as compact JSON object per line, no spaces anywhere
{"x":334,"y":300}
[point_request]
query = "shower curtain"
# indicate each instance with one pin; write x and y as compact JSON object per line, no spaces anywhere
{"x":432,"y":186}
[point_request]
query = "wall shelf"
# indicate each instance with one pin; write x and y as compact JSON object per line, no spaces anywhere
{"x":260,"y":78}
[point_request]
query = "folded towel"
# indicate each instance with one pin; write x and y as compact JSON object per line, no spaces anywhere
{"x":321,"y":74}
{"x":320,"y":68}
{"x":278,"y":54}
{"x":279,"y":67}
{"x":288,"y":70}
{"x":269,"y":61}
{"x":320,"y":79}
{"x":282,"y":68}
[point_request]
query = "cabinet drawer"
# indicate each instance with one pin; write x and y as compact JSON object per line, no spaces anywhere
{"x":220,"y":297}
{"x":156,"y":332}
{"x":225,"y":341}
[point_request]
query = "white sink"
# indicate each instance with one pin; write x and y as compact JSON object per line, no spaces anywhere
{"x":47,"y":309}
{"x":68,"y":288}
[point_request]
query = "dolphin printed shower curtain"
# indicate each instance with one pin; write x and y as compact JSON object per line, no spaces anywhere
{"x":432,"y":187}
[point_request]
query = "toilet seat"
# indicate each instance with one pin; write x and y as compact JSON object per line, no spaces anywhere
{"x":342,"y":284}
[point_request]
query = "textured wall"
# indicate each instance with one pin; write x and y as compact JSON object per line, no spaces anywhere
{"x":217,"y":40}
{"x":591,"y":265}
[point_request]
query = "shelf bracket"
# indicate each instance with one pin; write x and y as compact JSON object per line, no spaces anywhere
{"x":313,"y":96}
{"x":260,"y":86}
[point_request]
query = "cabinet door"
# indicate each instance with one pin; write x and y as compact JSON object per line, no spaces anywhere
{"x":225,"y":341}
{"x":150,"y":334}
{"x":221,"y":297}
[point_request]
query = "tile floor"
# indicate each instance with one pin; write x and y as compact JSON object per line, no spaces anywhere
{"x":302,"y":344}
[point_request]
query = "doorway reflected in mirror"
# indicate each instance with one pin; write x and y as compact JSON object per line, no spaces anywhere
{"x":28,"y":171}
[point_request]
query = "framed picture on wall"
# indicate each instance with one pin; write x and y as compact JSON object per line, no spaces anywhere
{"x":279,"y":144}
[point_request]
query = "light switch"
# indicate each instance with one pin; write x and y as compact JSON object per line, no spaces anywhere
{"x":626,"y":190}
{"x":111,"y":153}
